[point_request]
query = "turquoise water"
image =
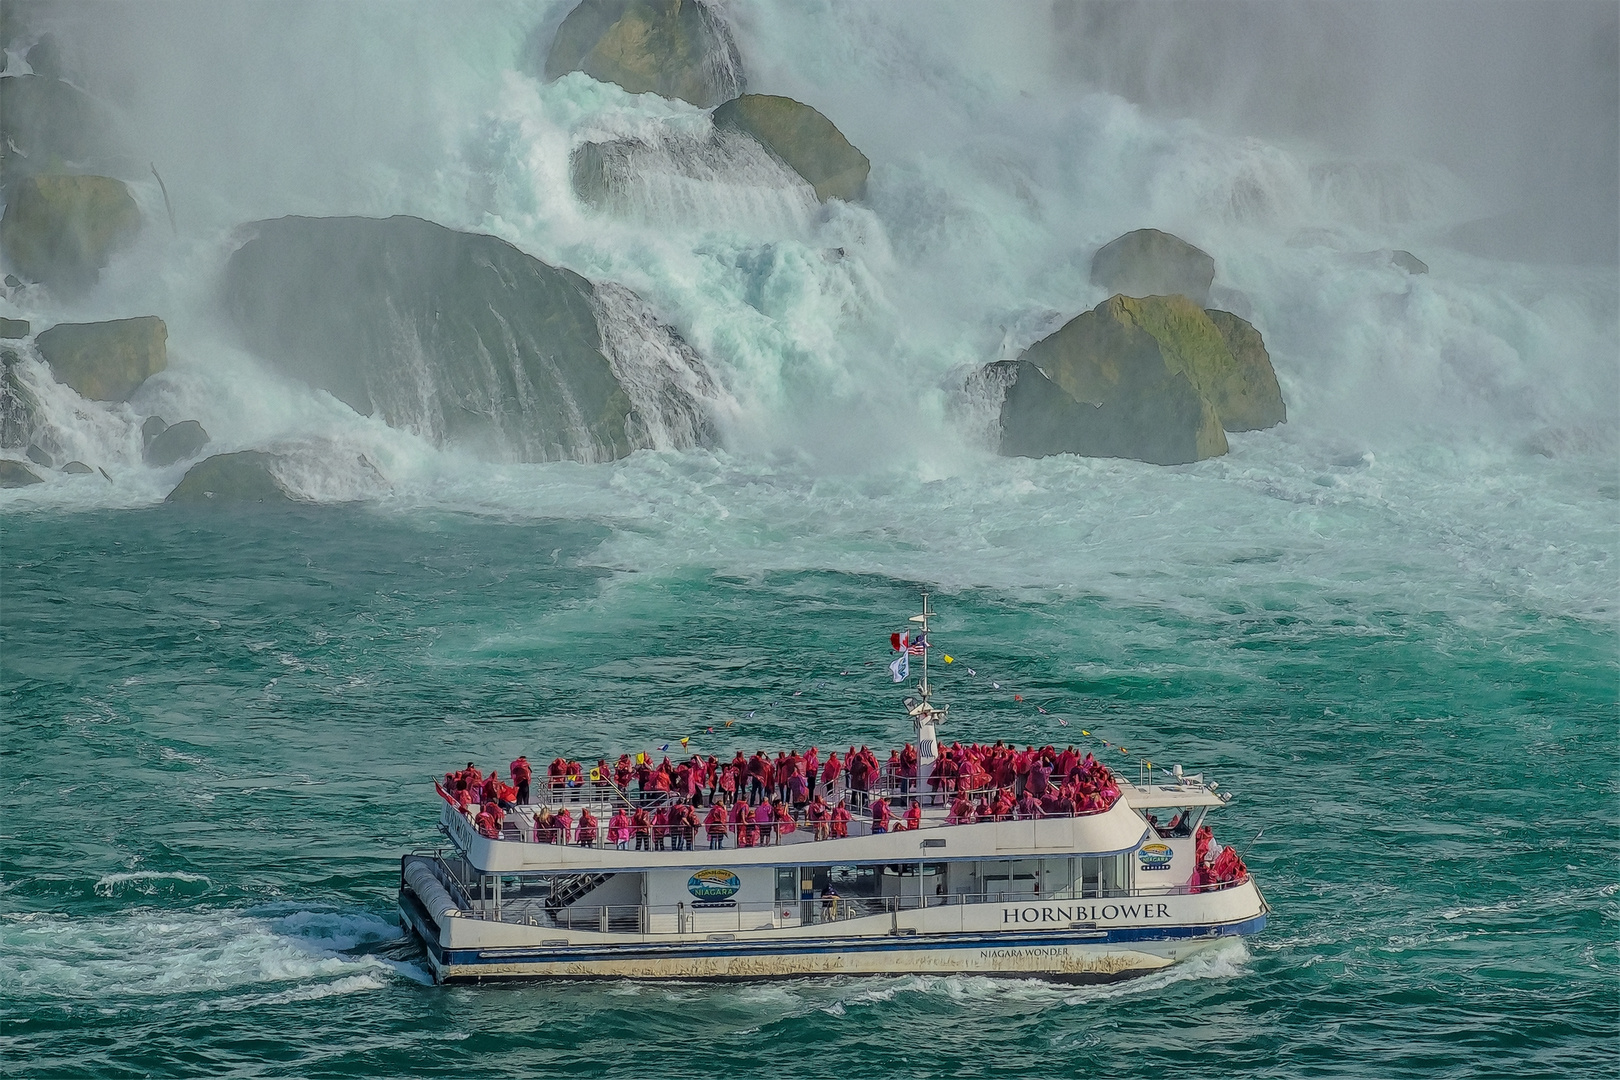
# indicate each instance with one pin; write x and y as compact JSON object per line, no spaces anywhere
{"x":221,"y":727}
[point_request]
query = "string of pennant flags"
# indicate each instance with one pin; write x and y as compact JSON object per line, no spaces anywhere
{"x":907,"y":644}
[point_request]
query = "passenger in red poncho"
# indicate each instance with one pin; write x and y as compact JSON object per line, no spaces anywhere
{"x":587,"y":828}
{"x":880,"y":815}
{"x":715,"y":824}
{"x":914,"y":816}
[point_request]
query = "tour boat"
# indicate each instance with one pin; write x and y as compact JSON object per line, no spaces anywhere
{"x":1126,"y":881}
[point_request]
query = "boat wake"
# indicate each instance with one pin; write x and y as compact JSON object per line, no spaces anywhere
{"x":298,"y":954}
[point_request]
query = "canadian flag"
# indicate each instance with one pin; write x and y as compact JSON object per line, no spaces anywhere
{"x":913,"y":646}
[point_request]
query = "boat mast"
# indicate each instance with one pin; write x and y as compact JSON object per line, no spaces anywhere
{"x":924,"y":716}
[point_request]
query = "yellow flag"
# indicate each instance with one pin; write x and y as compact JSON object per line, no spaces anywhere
{"x":1085,"y":733}
{"x":950,"y":659}
{"x":596,"y":774}
{"x":684,"y":740}
{"x":641,"y":759}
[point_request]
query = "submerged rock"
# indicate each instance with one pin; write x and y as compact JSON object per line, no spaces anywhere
{"x":106,"y":361}
{"x":245,"y":476}
{"x":61,"y":230}
{"x":806,"y":140}
{"x":1153,"y":379}
{"x":14,"y":474}
{"x":176,"y":443}
{"x":36,"y":453}
{"x":14,"y":328}
{"x":462,"y":338}
{"x":1148,"y":262}
{"x":78,"y":468}
{"x":674,"y":48}
{"x":1408,"y":262}
{"x":151,"y":428}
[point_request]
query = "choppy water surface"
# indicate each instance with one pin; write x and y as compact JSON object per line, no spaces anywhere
{"x":221,"y":728}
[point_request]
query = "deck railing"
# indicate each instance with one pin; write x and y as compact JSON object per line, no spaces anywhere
{"x":520,"y":825}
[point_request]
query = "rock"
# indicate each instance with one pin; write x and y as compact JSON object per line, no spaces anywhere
{"x":18,"y":405}
{"x":1246,"y":395}
{"x":176,"y":443}
{"x":53,"y":127}
{"x":464,"y":339}
{"x":106,"y":361}
{"x":1167,"y":424}
{"x":1152,"y":379}
{"x":45,"y":58}
{"x":151,"y":428}
{"x":14,"y":474}
{"x":1148,"y":262}
{"x":78,"y":468}
{"x":61,"y":230}
{"x":244,"y":476}
{"x":14,"y":328}
{"x":674,"y":48}
{"x":806,"y":140}
{"x":38,"y":456}
{"x":13,"y":281}
{"x":1408,"y":262}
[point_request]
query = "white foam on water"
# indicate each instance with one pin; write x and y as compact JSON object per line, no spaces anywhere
{"x":144,"y":954}
{"x":147,"y":882}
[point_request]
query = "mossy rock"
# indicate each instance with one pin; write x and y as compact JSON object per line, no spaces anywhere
{"x":245,"y":476}
{"x":1245,"y":394}
{"x":1148,"y":262}
{"x":674,"y":48}
{"x":1145,"y":377}
{"x":106,"y":361}
{"x":61,"y":230}
{"x":803,"y":138}
{"x":1169,"y":423}
{"x":14,"y":474}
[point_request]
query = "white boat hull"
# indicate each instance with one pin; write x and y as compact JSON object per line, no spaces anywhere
{"x":1059,"y":942}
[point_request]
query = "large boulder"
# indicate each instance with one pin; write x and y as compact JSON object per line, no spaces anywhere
{"x":14,"y":474}
{"x":183,"y":440}
{"x":462,"y":338}
{"x":1157,"y":379}
{"x":245,"y":476}
{"x":106,"y":361}
{"x":675,"y":48}
{"x":1165,"y":423}
{"x":61,"y":230}
{"x":803,"y":138}
{"x":1245,"y":393}
{"x":1148,"y":262}
{"x":51,"y":127}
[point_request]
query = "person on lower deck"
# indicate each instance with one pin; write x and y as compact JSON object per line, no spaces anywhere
{"x":715,"y":824}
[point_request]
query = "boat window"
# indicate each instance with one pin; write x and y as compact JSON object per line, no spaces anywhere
{"x":1174,"y":821}
{"x":856,"y":880}
{"x":787,"y":882}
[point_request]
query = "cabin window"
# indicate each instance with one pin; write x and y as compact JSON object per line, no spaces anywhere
{"x":787,"y":882}
{"x":1174,"y":821}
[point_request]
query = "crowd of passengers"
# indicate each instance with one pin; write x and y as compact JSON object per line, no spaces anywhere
{"x":758,"y":799}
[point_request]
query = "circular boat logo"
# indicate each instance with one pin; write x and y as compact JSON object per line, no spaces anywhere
{"x":1155,"y":856}
{"x":713,"y":884}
